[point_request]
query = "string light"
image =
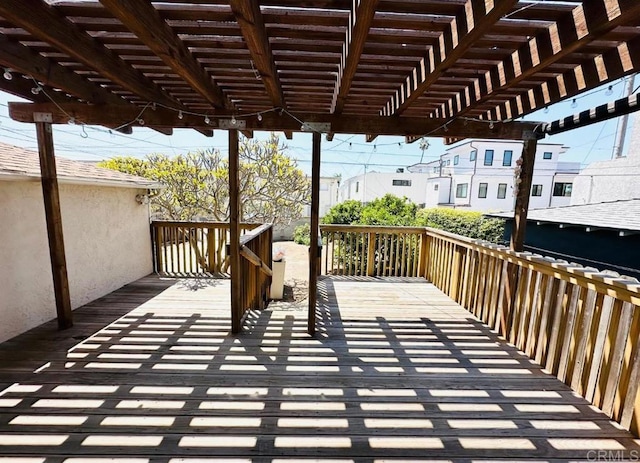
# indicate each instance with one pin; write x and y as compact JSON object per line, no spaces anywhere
{"x":609,"y":91}
{"x":7,"y":74}
{"x":350,"y":145}
{"x":180,"y":115}
{"x":546,"y":110}
{"x":259,"y":117}
{"x":207,"y":120}
{"x":400,"y":145}
{"x":35,"y":90}
{"x":491,"y":125}
{"x":140,"y":121}
{"x":375,"y":148}
{"x":71,"y":121}
{"x":574,"y":104}
{"x":233,"y":120}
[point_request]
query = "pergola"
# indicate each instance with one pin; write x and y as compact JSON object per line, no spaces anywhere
{"x":445,"y":68}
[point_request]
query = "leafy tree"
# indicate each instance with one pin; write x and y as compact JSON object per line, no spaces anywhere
{"x":389,"y":210}
{"x":273,"y":189}
{"x":344,"y":213}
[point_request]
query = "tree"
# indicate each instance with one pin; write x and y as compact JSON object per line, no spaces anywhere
{"x":389,"y":210}
{"x":345,"y":213}
{"x":273,"y":189}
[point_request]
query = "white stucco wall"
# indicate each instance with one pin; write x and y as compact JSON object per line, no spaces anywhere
{"x":107,"y":243}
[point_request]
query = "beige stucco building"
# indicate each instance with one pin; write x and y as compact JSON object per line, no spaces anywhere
{"x":106,"y":235}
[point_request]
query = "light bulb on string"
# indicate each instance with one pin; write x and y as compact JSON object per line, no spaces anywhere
{"x":7,"y":74}
{"x":400,"y":145}
{"x":35,"y":90}
{"x":546,"y":110}
{"x":259,"y":117}
{"x":609,"y":91}
{"x":375,"y":148}
{"x":233,"y":120}
{"x":574,"y":104}
{"x":207,"y":120}
{"x":71,"y":121}
{"x":350,"y":145}
{"x":180,"y":115}
{"x":140,"y":121}
{"x":491,"y":125}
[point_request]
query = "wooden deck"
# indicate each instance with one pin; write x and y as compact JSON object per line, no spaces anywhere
{"x":397,"y":371}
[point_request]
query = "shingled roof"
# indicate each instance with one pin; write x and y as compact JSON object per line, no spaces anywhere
{"x":19,"y":163}
{"x":623,"y":215}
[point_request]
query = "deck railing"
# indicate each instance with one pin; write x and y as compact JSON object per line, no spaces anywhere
{"x":192,"y":248}
{"x":582,"y":325}
{"x":255,"y":267}
{"x":372,"y":251}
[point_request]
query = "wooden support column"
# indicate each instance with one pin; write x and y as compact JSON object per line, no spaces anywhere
{"x":315,"y":229}
{"x":523,"y":183}
{"x":54,"y":224}
{"x":234,"y":240}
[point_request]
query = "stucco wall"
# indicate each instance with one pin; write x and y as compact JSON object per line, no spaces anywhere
{"x":106,"y":234}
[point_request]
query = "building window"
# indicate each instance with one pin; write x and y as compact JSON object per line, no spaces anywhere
{"x":547,"y":155}
{"x":488,"y":158}
{"x":435,"y":170}
{"x":502,"y":190}
{"x":456,"y":160}
{"x":472,"y":156}
{"x":357,"y":186}
{"x":506,"y":160}
{"x":461,"y":190}
{"x":482,"y":190}
{"x":562,"y":189}
{"x":436,"y":187}
{"x":536,"y":190}
{"x":448,"y":162}
{"x":401,"y":183}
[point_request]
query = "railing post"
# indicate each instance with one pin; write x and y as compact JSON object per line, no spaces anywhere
{"x":424,"y":255}
{"x":211,"y":249}
{"x":371,"y":254}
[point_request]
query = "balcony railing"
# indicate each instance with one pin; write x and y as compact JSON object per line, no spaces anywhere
{"x":582,"y":325}
{"x":192,"y":248}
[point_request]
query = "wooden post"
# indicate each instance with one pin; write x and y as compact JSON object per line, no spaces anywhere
{"x":315,"y":229}
{"x":523,"y":183}
{"x":371,"y":254}
{"x":234,"y":238}
{"x":53,"y":216}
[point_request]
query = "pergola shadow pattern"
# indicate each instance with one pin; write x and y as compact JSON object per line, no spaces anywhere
{"x":397,"y":371}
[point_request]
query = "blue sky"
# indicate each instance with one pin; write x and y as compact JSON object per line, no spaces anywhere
{"x":347,"y":155}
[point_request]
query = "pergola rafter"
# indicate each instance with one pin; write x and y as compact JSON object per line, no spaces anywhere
{"x":249,"y":18}
{"x":145,"y":22}
{"x":473,"y":20}
{"x":585,"y":23}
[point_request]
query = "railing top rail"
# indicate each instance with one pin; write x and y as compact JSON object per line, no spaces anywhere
{"x":622,"y":288}
{"x":371,"y":228}
{"x":254,"y":233}
{"x":186,"y":223}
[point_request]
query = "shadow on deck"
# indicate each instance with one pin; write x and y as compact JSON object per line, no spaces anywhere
{"x":397,"y":370}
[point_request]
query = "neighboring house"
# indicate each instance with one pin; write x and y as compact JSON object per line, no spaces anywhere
{"x":479,"y":175}
{"x":367,"y":187}
{"x":604,"y":235}
{"x":106,"y":235}
{"x":329,"y":187}
{"x":611,"y":180}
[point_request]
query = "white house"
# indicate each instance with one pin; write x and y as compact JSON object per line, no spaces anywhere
{"x":367,"y":187}
{"x":106,"y":235}
{"x":329,"y":187}
{"x":613,"y":180}
{"x":479,"y":175}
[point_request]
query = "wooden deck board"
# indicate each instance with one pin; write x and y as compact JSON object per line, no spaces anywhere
{"x":397,"y":370}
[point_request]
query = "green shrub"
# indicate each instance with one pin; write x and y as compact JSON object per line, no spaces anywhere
{"x":302,"y":234}
{"x":344,"y":213}
{"x":466,"y":223}
{"x":389,"y":210}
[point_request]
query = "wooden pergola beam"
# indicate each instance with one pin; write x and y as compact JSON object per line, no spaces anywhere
{"x":23,"y":60}
{"x":360,"y":19}
{"x":475,"y":18}
{"x":587,"y":22}
{"x":273,"y":121}
{"x":142,"y":18}
{"x":249,"y":18}
{"x":47,"y":24}
{"x":611,"y":65}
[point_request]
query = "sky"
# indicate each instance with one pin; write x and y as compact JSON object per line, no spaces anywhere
{"x":346,"y":155}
